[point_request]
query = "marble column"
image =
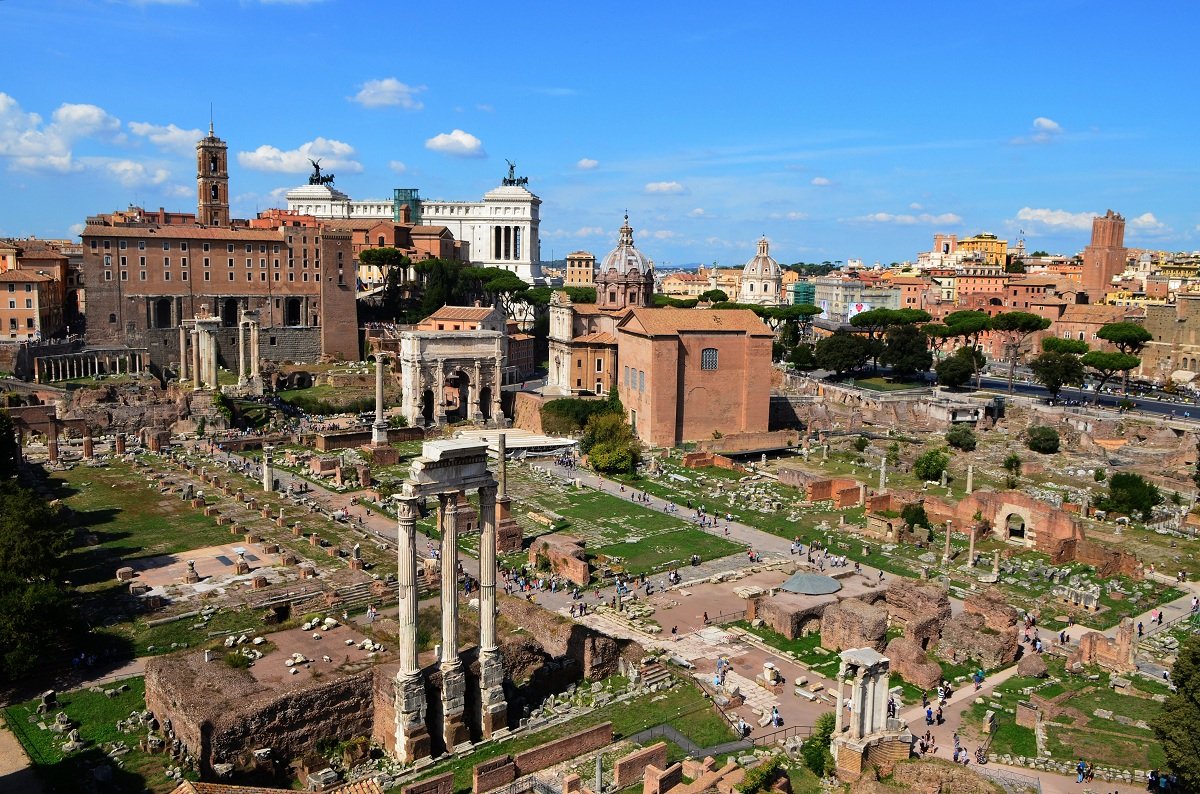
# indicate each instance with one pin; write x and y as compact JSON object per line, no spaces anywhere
{"x":195,"y":360}
{"x":439,"y":394}
{"x":882,"y":474}
{"x":88,"y":445}
{"x":841,"y":705}
{"x":183,"y":355}
{"x":971,"y":551}
{"x":255,"y":372}
{"x":412,"y":737}
{"x":949,"y":532}
{"x":379,"y":429}
{"x":454,"y":683}
{"x":502,"y":464}
{"x":493,"y":709}
{"x":970,"y":479}
{"x":52,"y":442}
{"x":473,"y":412}
{"x":241,"y":354}
{"x":497,"y":405}
{"x":268,"y":472}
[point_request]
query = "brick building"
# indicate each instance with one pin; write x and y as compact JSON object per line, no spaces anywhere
{"x":688,"y":373}
{"x":1104,"y":258}
{"x":146,"y":274}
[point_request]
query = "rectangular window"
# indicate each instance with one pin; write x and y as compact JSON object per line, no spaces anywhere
{"x":166,"y":245}
{"x":204,"y":246}
{"x":183,"y":261}
{"x":599,"y":365}
{"x":93,"y":245}
{"x":141,"y":261}
{"x":262,"y":248}
{"x":206,"y":263}
{"x":124,"y":261}
{"x":141,"y":245}
{"x":249,"y":276}
{"x":123,"y":244}
{"x":124,"y":275}
{"x":231,"y":276}
{"x":229,"y":248}
{"x":262,"y":262}
{"x":183,"y":275}
{"x":29,"y":303}
{"x":141,"y":275}
{"x":207,"y":274}
{"x":708,"y":358}
{"x":108,"y":275}
{"x":166,"y":261}
{"x":291,"y":276}
{"x":641,"y":380}
{"x":183,"y":246}
{"x":12,"y":304}
{"x":249,"y":262}
{"x":229,"y":262}
{"x":167,"y":276}
{"x":249,"y":248}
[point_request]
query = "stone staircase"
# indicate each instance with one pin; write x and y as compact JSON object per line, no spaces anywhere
{"x":655,"y":675}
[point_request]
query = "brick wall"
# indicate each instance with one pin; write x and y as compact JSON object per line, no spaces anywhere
{"x":659,"y":781}
{"x":629,"y":770}
{"x":442,"y":784}
{"x":492,"y":774}
{"x":564,"y":749}
{"x":383,"y":696}
{"x":328,"y":442}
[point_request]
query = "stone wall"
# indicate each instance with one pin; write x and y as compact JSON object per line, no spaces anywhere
{"x":347,"y":439}
{"x":597,"y":655}
{"x":968,"y":637}
{"x":911,"y":663}
{"x":853,"y":624}
{"x":787,"y":613}
{"x":493,"y":774}
{"x":630,"y":769}
{"x":753,"y":442}
{"x":921,"y":608}
{"x":441,"y":784}
{"x":283,"y":344}
{"x":1115,"y":653}
{"x":660,"y":781}
{"x":527,"y":412}
{"x":566,"y":555}
{"x":992,"y":606}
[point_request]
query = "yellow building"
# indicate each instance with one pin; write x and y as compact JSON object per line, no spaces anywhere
{"x":684,"y":284}
{"x":581,"y":270}
{"x":993,"y":249}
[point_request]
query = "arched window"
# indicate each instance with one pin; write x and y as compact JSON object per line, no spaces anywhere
{"x":212,"y":164}
{"x":213,"y":190}
{"x":112,"y":318}
{"x":708,"y":358}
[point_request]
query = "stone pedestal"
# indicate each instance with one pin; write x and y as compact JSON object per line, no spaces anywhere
{"x":191,"y":577}
{"x":356,"y":564}
{"x":412,"y":737}
{"x":509,"y":537}
{"x":120,"y":443}
{"x":493,"y":707}
{"x":382,"y":454}
{"x":87,"y":446}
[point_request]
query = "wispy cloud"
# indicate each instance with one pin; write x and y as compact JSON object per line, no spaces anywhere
{"x":1044,"y":131}
{"x":389,"y":92}
{"x":905,"y":219}
{"x":397,"y":166}
{"x":820,"y":181}
{"x":788,"y":216}
{"x":169,"y":137}
{"x":586,"y":164}
{"x":32,"y":145}
{"x":332,"y":154}
{"x":584,"y":231}
{"x":456,"y":143}
{"x":668,"y":188}
{"x":1055,"y":219}
{"x":1147,"y":222}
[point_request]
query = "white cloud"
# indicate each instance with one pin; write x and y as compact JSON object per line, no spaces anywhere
{"x":76,"y":229}
{"x":397,"y":166}
{"x":673,"y":188}
{"x":661,"y":234}
{"x":389,"y":92}
{"x":698,"y":213}
{"x":170,"y":137}
{"x":34,"y":145}
{"x":181,"y":191}
{"x":456,"y":144}
{"x":910,"y":220}
{"x":1147,"y":222}
{"x":820,"y":181}
{"x":279,"y":193}
{"x":788,"y":216}
{"x":587,"y":164}
{"x":332,"y":154}
{"x":584,"y":231}
{"x":915,"y":206}
{"x":1044,"y":131}
{"x":134,"y":174}
{"x":1058,"y":219}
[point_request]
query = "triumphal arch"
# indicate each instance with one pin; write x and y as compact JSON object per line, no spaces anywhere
{"x":444,"y":471}
{"x":452,"y":376}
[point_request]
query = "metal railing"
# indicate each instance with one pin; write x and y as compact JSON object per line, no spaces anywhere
{"x":782,"y":735}
{"x":534,"y":783}
{"x":726,"y":617}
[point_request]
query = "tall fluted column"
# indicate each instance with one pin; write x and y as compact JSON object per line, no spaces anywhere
{"x":183,"y":354}
{"x":454,"y":683}
{"x":493,"y":710}
{"x":255,"y":372}
{"x":195,"y":360}
{"x":841,"y":705}
{"x":268,"y":473}
{"x":412,"y":737}
{"x":242,"y":354}
{"x":379,"y":430}
{"x":949,"y":532}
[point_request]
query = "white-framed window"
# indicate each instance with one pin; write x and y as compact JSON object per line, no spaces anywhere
{"x":599,"y":365}
{"x":708,"y":358}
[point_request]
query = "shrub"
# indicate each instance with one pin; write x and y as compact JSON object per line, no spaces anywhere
{"x":1043,"y":440}
{"x":931,"y":465}
{"x":760,"y":777}
{"x":815,"y":749}
{"x":237,"y":660}
{"x":1130,"y":494}
{"x":1098,"y":475}
{"x":861,"y":443}
{"x":570,"y":414}
{"x":914,"y":515}
{"x":961,"y":437}
{"x":1012,"y":464}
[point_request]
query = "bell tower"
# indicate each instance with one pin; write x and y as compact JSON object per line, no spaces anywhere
{"x":212,"y":180}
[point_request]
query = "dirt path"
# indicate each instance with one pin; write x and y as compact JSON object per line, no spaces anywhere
{"x":16,"y":773}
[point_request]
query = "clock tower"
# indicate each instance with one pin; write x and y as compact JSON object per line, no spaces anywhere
{"x":212,"y":180}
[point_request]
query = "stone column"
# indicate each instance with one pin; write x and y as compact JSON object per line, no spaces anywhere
{"x":473,"y":411}
{"x":971,"y":551}
{"x":268,"y":473}
{"x":412,"y":737}
{"x":882,"y":474}
{"x":841,"y":705}
{"x":242,"y":353}
{"x":493,"y":710}
{"x":379,"y":430}
{"x":120,"y":443}
{"x":454,"y":684}
{"x":946,"y":551}
{"x":857,"y":701}
{"x":255,"y":372}
{"x":183,"y":362}
{"x":52,"y":442}
{"x":195,"y":360}
{"x":502,"y":464}
{"x":439,"y":394}
{"x":996,"y":563}
{"x":970,"y":478}
{"x":88,"y":445}
{"x":497,"y":392}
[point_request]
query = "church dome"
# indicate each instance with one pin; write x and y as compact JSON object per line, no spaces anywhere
{"x":763,"y":265}
{"x":626,"y":258}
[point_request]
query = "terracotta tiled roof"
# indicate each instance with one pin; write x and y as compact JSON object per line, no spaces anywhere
{"x":23,"y":275}
{"x":438,"y":230}
{"x":467,"y":313}
{"x":669,"y":321}
{"x":598,"y":338}
{"x":1092,"y":313}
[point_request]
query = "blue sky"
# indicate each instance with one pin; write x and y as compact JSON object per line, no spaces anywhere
{"x":839,"y":130}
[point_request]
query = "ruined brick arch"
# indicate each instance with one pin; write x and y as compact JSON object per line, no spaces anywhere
{"x":1000,"y":523}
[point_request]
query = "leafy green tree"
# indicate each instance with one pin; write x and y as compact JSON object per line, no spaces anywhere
{"x":1129,"y":338}
{"x":931,"y":465}
{"x":1107,"y":364}
{"x":1131,"y":494}
{"x":10,"y":453}
{"x":802,"y":357}
{"x":441,"y":284}
{"x":1015,"y":328}
{"x":961,"y":437}
{"x":610,"y":444}
{"x":37,"y":621}
{"x":956,"y":370}
{"x":1043,"y":440}
{"x":815,"y":749}
{"x":714,"y":296}
{"x":1055,"y":370}
{"x":1058,"y":344}
{"x":500,"y":287}
{"x":1012,"y":464}
{"x":861,"y":443}
{"x":914,"y":515}
{"x":1175,"y":724}
{"x":970,"y":325}
{"x":906,"y":350}
{"x":842,"y":352}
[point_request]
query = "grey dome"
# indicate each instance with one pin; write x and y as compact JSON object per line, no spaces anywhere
{"x":626,"y":258}
{"x":763,"y":265}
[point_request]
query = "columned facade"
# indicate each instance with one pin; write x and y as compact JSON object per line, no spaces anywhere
{"x":452,"y":376}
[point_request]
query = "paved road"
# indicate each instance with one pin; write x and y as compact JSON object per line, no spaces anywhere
{"x":1148,"y":405}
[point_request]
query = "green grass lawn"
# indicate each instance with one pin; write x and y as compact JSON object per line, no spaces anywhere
{"x":807,"y":648}
{"x":96,"y":715}
{"x":667,"y":549}
{"x":683,"y":706}
{"x":883,"y":384}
